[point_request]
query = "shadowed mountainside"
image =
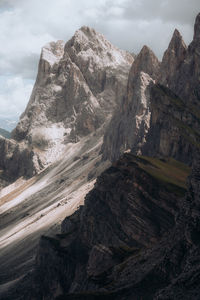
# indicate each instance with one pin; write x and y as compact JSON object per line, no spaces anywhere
{"x":138,"y":234}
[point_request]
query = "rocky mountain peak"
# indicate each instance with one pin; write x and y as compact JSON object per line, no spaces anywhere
{"x":173,"y":57}
{"x":93,"y":48}
{"x":197,"y":28}
{"x":77,"y":88}
{"x":53,"y":52}
{"x":146,"y":61}
{"x":176,"y":42}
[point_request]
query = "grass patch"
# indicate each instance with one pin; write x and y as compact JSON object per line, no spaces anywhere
{"x":169,"y":172}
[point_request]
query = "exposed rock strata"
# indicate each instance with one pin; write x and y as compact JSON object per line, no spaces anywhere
{"x":17,"y":160}
{"x":130,"y":123}
{"x":185,"y":80}
{"x":124,"y":217}
{"x":137,"y":237}
{"x":174,"y":108}
{"x":174,"y":127}
{"x":77,"y":88}
{"x":100,"y":254}
{"x":80,"y":80}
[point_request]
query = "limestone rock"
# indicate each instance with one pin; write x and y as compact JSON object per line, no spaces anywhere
{"x":130,"y":122}
{"x":77,"y":88}
{"x":164,"y":119}
{"x":146,"y":62}
{"x":174,"y":126}
{"x":124,"y":217}
{"x":184,"y":80}
{"x":197,"y":29}
{"x":17,"y":160}
{"x":172,"y":59}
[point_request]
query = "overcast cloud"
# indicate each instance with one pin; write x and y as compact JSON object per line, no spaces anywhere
{"x":26,"y":25}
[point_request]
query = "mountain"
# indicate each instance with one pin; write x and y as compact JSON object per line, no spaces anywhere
{"x":127,"y":242}
{"x":53,"y":158}
{"x":5,"y":133}
{"x":160,"y":112}
{"x":77,"y":88}
{"x":131,"y":228}
{"x":131,"y":121}
{"x":100,"y":247}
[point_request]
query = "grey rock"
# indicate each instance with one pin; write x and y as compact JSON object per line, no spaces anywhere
{"x":130,"y":122}
{"x":172,"y":59}
{"x":17,"y":160}
{"x":174,"y":127}
{"x":115,"y":243}
{"x":77,"y":88}
{"x":164,"y":119}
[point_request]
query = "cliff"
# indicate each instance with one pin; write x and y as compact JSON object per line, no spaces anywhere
{"x":162,"y":116}
{"x":105,"y":248}
{"x":77,"y":88}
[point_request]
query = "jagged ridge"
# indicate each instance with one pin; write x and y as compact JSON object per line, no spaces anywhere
{"x":174,"y":108}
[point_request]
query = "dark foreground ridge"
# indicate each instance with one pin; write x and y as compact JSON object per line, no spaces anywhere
{"x":125,"y":242}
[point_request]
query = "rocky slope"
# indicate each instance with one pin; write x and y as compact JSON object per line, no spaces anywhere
{"x":131,"y":121}
{"x":53,"y":157}
{"x":107,"y":248}
{"x":77,"y":88}
{"x":165,"y":94}
{"x":30,"y":208}
{"x":137,"y":236}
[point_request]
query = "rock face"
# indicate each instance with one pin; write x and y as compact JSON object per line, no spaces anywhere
{"x":80,"y":81}
{"x":130,"y":123}
{"x":17,"y":160}
{"x":184,"y":81}
{"x":136,"y":237}
{"x":175,"y":133}
{"x":172,"y":59}
{"x":124,"y":216}
{"x":163,"y":119}
{"x":77,"y":88}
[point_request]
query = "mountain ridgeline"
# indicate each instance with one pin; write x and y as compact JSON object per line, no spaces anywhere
{"x":159,"y":115}
{"x":5,"y":133}
{"x":137,"y":234}
{"x":78,"y":86}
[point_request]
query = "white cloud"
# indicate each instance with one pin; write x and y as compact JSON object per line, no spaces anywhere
{"x":25,"y":26}
{"x":14,"y":94}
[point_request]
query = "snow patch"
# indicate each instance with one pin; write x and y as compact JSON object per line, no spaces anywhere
{"x":53,"y":52}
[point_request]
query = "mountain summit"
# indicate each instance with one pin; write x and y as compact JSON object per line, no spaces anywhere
{"x":77,"y":88}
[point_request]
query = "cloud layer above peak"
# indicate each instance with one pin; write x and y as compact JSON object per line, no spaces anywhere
{"x":25,"y":26}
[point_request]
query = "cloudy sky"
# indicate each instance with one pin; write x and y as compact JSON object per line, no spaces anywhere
{"x":26,"y":25}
